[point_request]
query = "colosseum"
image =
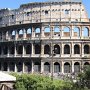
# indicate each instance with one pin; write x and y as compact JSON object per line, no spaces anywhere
{"x":45,"y":37}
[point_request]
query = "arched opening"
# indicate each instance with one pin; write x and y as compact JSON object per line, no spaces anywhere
{"x":29,"y":32}
{"x":56,"y":67}
{"x":86,"y":32}
{"x":76,"y":32}
{"x":37,"y":32}
{"x":20,"y":33}
{"x":5,"y":66}
{"x":37,"y":67}
{"x":28,"y":67}
{"x":47,"y":32}
{"x":66,"y":32}
{"x":12,"y":48}
{"x":86,"y":49}
{"x":46,"y":49}
{"x":19,"y":67}
{"x":20,"y":49}
{"x":5,"y":50}
{"x":86,"y":64}
{"x":76,"y":49}
{"x":56,"y":32}
{"x":56,"y":49}
{"x":66,"y":49}
{"x":37,"y":48}
{"x":66,"y":67}
{"x":76,"y":67}
{"x":13,"y":33}
{"x":12,"y":67}
{"x":46,"y":67}
{"x":28,"y":49}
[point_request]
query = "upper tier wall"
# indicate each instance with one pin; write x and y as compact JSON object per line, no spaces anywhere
{"x":44,"y":12}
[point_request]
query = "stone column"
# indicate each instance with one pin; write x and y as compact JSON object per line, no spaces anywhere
{"x":72,"y":48}
{"x":15,"y":54}
{"x":42,"y":67}
{"x":15,"y":67}
{"x":82,"y":48}
{"x":72,"y":31}
{"x":32,"y":66}
{"x":52,"y":31}
{"x":8,"y":67}
{"x":62,"y":31}
{"x":33,"y":32}
{"x":23,"y":67}
{"x":32,"y":48}
{"x":81,"y":32}
{"x":24,"y":50}
{"x":42,"y":32}
{"x":62,"y":67}
{"x":42,"y":49}
{"x":8,"y":51}
{"x":24,"y":34}
{"x":62,"y":48}
{"x":16,"y":36}
{"x":72,"y":67}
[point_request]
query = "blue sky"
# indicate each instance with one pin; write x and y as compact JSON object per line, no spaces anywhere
{"x":13,"y":4}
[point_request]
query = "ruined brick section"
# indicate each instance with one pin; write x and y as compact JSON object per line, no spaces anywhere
{"x":45,"y":38}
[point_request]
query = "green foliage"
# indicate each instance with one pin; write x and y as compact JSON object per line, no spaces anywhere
{"x":39,"y":82}
{"x":84,"y":78}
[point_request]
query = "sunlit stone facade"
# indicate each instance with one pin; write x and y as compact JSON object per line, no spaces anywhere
{"x":29,"y":34}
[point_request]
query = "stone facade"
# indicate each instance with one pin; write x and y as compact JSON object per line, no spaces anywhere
{"x":30,"y":35}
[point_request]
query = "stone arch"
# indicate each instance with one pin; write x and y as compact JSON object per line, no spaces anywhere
{"x":37,"y":48}
{"x":86,"y":49}
{"x":20,"y":33}
{"x":47,"y":31}
{"x":86,"y":63}
{"x":76,"y":49}
{"x":66,"y":49}
{"x":46,"y":49}
{"x":67,"y":67}
{"x":57,"y":49}
{"x":86,"y":32}
{"x":37,"y":32}
{"x":13,"y":33}
{"x":20,"y":49}
{"x":46,"y":67}
{"x":76,"y":67}
{"x":29,"y":32}
{"x":12,"y":66}
{"x":56,"y":31}
{"x":28,"y":67}
{"x":76,"y":32}
{"x":19,"y":67}
{"x":28,"y":49}
{"x":66,"y":32}
{"x":56,"y":67}
{"x":37,"y":66}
